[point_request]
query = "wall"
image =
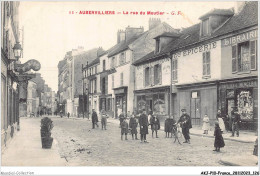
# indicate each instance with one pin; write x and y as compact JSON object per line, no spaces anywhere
{"x":190,"y":66}
{"x":226,"y":55}
{"x":166,"y":73}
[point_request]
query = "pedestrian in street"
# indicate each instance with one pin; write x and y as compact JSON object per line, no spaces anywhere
{"x":236,"y":119}
{"x":143,"y":122}
{"x":185,"y":122}
{"x":94,"y":118}
{"x":220,"y":120}
{"x":150,"y":115}
{"x":61,"y":114}
{"x":121,"y":118}
{"x":155,"y":125}
{"x":124,"y":129}
{"x":104,"y":120}
{"x":133,"y":126}
{"x":168,"y":126}
{"x":219,"y":141}
{"x":68,"y":115}
{"x":205,"y":125}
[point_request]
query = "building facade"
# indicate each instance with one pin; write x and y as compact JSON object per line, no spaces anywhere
{"x":31,"y":98}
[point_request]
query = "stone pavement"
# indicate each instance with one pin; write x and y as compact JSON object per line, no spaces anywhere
{"x":241,"y":160}
{"x":25,"y":148}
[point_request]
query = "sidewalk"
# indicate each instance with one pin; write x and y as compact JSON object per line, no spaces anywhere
{"x":244,"y":136}
{"x":25,"y":149}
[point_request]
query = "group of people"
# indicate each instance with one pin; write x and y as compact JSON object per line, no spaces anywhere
{"x":171,"y":124}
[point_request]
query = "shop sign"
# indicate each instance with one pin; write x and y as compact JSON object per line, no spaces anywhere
{"x":239,"y":38}
{"x":239,"y":85}
{"x":119,"y":91}
{"x":199,"y":49}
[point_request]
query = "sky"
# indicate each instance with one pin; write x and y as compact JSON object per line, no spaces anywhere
{"x":50,"y":30}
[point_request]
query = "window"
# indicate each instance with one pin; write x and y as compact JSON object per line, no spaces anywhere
{"x":95,"y":86}
{"x":205,"y":27}
{"x":175,"y":69}
{"x":103,"y":85}
{"x":157,"y":74}
{"x":122,"y":79}
{"x":244,"y":56}
{"x":206,"y":64}
{"x":157,"y":46}
{"x":113,"y":63}
{"x":104,"y":65}
{"x":147,"y":76}
{"x":113,"y":81}
{"x":122,"y":58}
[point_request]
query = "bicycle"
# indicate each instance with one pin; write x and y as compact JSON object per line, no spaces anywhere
{"x":176,"y":132}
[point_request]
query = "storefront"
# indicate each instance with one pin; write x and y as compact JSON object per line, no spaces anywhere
{"x":242,"y":93}
{"x":120,"y":101}
{"x":156,"y":100}
{"x":198,"y":99}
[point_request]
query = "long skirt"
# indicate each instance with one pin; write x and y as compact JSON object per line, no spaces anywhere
{"x":219,"y":141}
{"x":155,"y":127}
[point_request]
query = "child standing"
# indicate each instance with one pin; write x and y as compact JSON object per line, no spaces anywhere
{"x":133,"y":126}
{"x":124,"y":129}
{"x":219,"y":141}
{"x":205,"y":126}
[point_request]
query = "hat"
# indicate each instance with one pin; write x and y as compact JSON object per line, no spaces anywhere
{"x":183,"y":110}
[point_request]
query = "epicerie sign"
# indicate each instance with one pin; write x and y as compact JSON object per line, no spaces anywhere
{"x":195,"y":50}
{"x":239,"y":38}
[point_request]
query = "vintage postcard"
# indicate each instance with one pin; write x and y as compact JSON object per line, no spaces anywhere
{"x":120,"y":83}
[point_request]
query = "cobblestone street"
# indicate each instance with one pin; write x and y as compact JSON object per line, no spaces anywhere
{"x":82,"y":146}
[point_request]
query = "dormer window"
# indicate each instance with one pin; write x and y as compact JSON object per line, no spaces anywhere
{"x":205,"y":27}
{"x":157,"y":46}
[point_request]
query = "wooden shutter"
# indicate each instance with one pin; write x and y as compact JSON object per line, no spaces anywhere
{"x":159,"y":71}
{"x":151,"y":75}
{"x":204,"y":64}
{"x":208,"y":62}
{"x":234,"y":58}
{"x":253,"y":58}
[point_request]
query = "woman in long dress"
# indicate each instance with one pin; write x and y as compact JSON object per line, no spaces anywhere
{"x":220,"y":121}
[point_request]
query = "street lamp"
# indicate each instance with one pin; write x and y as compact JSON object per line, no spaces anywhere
{"x":17,"y":50}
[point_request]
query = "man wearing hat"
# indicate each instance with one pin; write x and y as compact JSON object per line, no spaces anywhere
{"x":185,"y":122}
{"x":235,"y":121}
{"x":143,"y":121}
{"x":104,"y":119}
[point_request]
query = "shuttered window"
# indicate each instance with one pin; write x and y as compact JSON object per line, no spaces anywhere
{"x":206,"y":63}
{"x":157,"y":74}
{"x":147,"y":76}
{"x":253,"y":54}
{"x":174,"y":69}
{"x":234,"y":58}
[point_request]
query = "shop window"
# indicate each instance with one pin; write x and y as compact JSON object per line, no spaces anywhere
{"x":159,"y":104}
{"x":230,"y":93}
{"x":175,"y":69}
{"x":245,"y":104}
{"x":141,"y":102}
{"x":158,"y":74}
{"x":147,"y":76}
{"x":122,"y":58}
{"x":206,"y":63}
{"x":122,"y":79}
{"x":109,"y":104}
{"x":205,"y":28}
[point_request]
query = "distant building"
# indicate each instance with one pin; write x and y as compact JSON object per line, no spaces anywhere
{"x":31,"y":98}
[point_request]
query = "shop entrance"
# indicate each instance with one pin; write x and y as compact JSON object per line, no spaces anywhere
{"x":149,"y":105}
{"x":195,"y":108}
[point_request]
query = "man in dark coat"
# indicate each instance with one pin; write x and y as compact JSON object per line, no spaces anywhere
{"x":155,"y":124}
{"x":168,"y":126}
{"x":185,"y":122}
{"x":143,"y":121}
{"x":236,"y":119}
{"x":94,"y":118}
{"x":133,"y":126}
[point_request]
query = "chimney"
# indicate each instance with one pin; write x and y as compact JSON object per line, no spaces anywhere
{"x":120,"y":36}
{"x":153,"y":22}
{"x":131,"y":32}
{"x":238,"y":6}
